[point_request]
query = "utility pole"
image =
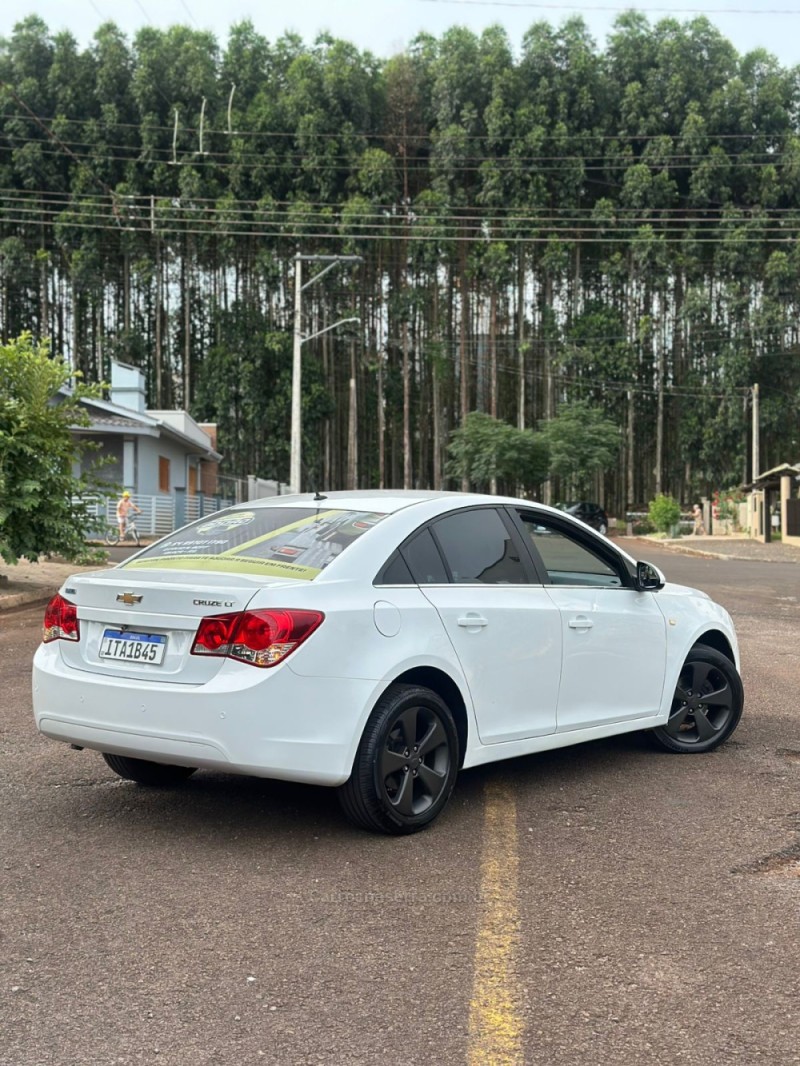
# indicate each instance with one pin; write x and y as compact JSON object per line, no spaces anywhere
{"x":296,"y":459}
{"x":756,"y":468}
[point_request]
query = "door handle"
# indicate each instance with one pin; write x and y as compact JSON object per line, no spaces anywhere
{"x":472,"y":621}
{"x":581,"y":622}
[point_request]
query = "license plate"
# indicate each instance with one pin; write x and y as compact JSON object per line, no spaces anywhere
{"x":133,"y":647}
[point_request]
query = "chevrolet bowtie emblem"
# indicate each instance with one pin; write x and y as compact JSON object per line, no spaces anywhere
{"x":128,"y":597}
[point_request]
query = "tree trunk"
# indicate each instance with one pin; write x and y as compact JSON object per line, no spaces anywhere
{"x":158,"y":312}
{"x":521,"y":339}
{"x":407,"y":457}
{"x":352,"y":425}
{"x":463,"y":355}
{"x":436,"y":390}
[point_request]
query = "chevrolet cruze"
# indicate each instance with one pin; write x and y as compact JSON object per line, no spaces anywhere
{"x":378,"y":642}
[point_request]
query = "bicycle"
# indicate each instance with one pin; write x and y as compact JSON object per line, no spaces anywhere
{"x":113,"y":537}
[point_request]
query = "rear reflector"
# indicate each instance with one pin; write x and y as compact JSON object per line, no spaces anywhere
{"x":260,"y":638}
{"x":60,"y":620}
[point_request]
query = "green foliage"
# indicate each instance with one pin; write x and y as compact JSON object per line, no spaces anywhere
{"x":91,"y":557}
{"x":664,"y":513}
{"x":38,"y":454}
{"x":581,"y":440}
{"x":484,"y":448}
{"x":548,"y":219}
{"x":726,"y":505}
{"x":245,"y":387}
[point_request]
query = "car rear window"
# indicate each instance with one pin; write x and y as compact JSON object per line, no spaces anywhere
{"x":296,"y":542}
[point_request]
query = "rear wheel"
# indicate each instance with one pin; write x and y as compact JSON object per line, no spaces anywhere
{"x":707,"y":704}
{"x":406,"y":764}
{"x":112,"y":536}
{"x":145,"y":772}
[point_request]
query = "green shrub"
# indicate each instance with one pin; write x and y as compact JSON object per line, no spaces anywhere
{"x":92,"y":557}
{"x":664,"y":513}
{"x":643,"y":527}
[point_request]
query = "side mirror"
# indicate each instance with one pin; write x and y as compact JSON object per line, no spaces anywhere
{"x":648,"y":577}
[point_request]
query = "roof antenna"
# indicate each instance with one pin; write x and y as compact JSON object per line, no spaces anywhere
{"x":317,"y":497}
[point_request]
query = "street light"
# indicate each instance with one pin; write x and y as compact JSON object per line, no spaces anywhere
{"x":295,"y":460}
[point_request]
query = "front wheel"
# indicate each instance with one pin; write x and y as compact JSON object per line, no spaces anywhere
{"x":145,"y":772}
{"x":707,"y":704}
{"x":406,"y":764}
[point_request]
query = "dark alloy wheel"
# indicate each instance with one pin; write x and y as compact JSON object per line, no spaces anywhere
{"x":145,"y":772}
{"x":406,"y":764}
{"x":707,"y":704}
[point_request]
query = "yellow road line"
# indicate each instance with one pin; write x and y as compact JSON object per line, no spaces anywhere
{"x":496,"y":1023}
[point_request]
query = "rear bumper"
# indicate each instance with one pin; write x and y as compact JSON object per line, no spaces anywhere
{"x":271,"y":723}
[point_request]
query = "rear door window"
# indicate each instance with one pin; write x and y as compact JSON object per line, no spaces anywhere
{"x":424,"y":560}
{"x":480,"y":549}
{"x":290,"y":542}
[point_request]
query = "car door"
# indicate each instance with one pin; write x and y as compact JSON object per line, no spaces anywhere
{"x":501,"y":621}
{"x":613,"y":636}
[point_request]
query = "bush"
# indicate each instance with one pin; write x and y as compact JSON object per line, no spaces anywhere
{"x":38,"y":451}
{"x":664,"y":513}
{"x":643,"y":527}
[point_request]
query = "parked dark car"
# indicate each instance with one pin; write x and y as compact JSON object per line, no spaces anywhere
{"x":590,"y":513}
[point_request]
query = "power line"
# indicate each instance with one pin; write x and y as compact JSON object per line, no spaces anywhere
{"x":205,"y":210}
{"x":590,"y":160}
{"x":459,"y":211}
{"x":53,"y":136}
{"x":185,"y":7}
{"x":427,"y":138}
{"x":334,"y":230}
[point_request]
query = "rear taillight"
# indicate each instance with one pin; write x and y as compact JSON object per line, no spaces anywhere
{"x":260,"y":638}
{"x":60,"y":620}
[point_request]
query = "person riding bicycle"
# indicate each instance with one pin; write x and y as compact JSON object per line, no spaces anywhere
{"x":124,"y":508}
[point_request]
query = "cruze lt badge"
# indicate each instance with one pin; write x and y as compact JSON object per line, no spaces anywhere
{"x":128,"y":597}
{"x":213,"y":603}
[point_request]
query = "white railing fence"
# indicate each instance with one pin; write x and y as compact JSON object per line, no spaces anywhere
{"x":199,"y":506}
{"x":159,"y":514}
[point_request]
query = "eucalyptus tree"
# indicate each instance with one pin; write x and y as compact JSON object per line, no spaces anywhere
{"x":542,"y":226}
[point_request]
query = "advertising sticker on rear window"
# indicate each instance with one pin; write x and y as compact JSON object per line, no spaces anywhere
{"x":294,"y":542}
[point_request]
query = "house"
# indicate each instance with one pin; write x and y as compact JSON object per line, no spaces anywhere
{"x":151,"y":451}
{"x":774,"y":495}
{"x":166,"y":460}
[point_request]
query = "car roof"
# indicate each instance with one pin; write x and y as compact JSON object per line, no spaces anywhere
{"x":382,"y":501}
{"x":393,"y":501}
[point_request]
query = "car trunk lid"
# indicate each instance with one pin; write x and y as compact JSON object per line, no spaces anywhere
{"x":142,"y":624}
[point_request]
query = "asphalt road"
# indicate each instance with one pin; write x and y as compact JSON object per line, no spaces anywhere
{"x":600,"y":904}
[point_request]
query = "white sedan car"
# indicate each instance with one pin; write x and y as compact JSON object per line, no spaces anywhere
{"x":377,"y":642}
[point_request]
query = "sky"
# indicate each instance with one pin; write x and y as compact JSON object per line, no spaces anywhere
{"x":385,"y":27}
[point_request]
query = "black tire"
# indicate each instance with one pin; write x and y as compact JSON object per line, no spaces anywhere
{"x":707,"y":704}
{"x":112,"y":536}
{"x":602,"y":528}
{"x":406,"y":763}
{"x":145,"y":772}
